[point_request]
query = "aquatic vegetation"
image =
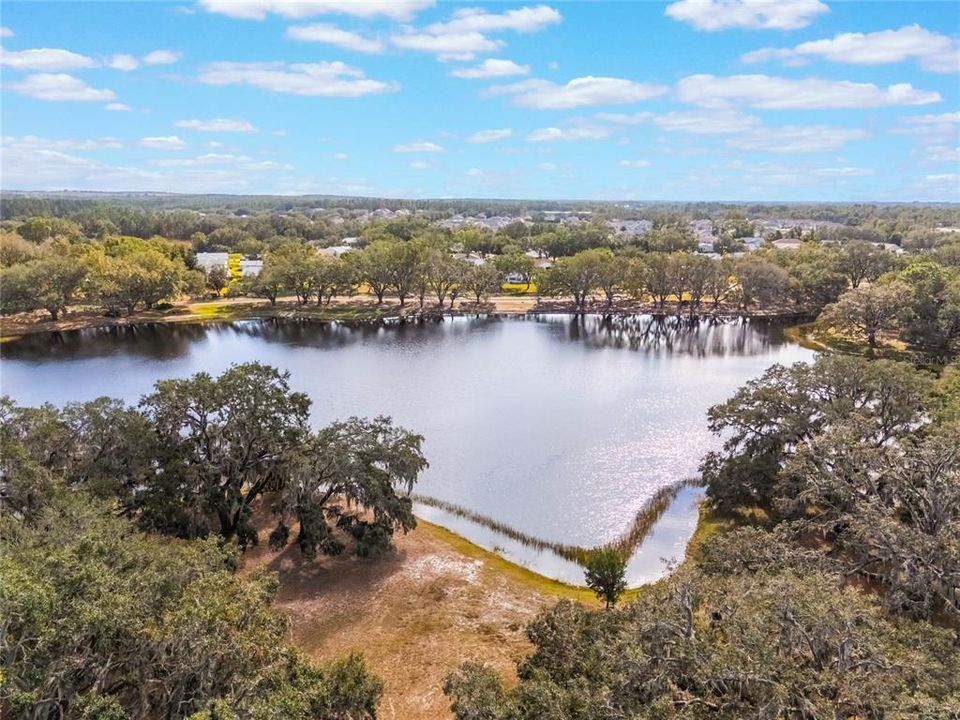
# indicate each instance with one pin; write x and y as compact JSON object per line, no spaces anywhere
{"x":639,"y":529}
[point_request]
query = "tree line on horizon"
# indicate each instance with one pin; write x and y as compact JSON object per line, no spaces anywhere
{"x":853,"y":285}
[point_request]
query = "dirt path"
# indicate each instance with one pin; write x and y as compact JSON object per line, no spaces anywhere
{"x":416,"y":614}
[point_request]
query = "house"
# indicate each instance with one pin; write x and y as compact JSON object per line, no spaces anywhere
{"x":250,"y":268}
{"x":206,"y":261}
{"x":336,"y":250}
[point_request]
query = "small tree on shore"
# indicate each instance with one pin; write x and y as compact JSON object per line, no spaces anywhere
{"x":605,"y":572}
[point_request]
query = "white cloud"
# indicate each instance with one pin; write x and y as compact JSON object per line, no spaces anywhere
{"x":5,"y":32}
{"x":844,"y":172}
{"x":59,"y":87}
{"x":420,"y":164}
{"x":166,"y":142}
{"x":162,"y":57}
{"x":707,"y":122}
{"x":421,"y":146}
{"x":218,"y":125}
{"x":753,"y":14}
{"x":332,"y":35}
{"x":32,"y":142}
{"x":452,"y":46}
{"x":579,"y":92}
{"x":45,"y":59}
{"x":268,"y":165}
{"x":486,"y":136}
{"x":474,"y":172}
{"x":123,"y":62}
{"x":624,"y":118}
{"x":795,"y":139}
{"x":583,"y":132}
{"x":491,"y":68}
{"x":953,"y":178}
{"x":942,"y":154}
{"x":524,"y":20}
{"x":205,"y":159}
{"x":327,"y":79}
{"x":951,"y":117}
{"x":935,"y":52}
{"x":400,"y":10}
{"x":548,"y":166}
{"x":340,"y":156}
{"x":38,"y":165}
{"x":118,"y":107}
{"x":634,"y":163}
{"x":778,"y":93}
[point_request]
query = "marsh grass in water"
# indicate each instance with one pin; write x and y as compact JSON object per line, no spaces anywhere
{"x":625,"y":545}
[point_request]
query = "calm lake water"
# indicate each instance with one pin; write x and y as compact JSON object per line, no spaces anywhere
{"x":559,"y":426}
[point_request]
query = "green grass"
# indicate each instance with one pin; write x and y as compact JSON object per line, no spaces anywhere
{"x":511,"y":570}
{"x":813,"y":337}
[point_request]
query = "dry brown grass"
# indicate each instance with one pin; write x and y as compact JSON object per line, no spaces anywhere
{"x":416,"y":613}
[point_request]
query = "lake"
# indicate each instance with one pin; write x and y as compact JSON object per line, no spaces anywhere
{"x":559,"y":426}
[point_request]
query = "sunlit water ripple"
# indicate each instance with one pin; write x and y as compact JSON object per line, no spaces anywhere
{"x":560,"y":426}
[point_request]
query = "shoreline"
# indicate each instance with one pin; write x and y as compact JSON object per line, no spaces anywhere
{"x":350,"y":310}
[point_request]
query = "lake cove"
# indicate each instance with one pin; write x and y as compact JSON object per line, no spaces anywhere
{"x":544,"y":433}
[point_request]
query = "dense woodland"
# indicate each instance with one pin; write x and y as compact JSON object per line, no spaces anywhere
{"x":121,"y":529}
{"x":824,"y":582}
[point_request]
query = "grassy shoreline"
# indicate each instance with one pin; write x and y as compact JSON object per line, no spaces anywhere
{"x":359,"y":310}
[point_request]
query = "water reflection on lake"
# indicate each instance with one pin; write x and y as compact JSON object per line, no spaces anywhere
{"x":560,"y":426}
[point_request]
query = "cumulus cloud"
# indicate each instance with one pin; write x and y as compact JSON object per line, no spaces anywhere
{"x":420,"y":146}
{"x":707,"y":122}
{"x":795,"y":139}
{"x":450,"y":46}
{"x":38,"y":164}
{"x":778,"y":93}
{"x":474,"y":172}
{"x":340,"y":156}
{"x":491,"y":68}
{"x":634,"y":163}
{"x":581,"y":132}
{"x":45,"y":59}
{"x":123,"y":62}
{"x":844,"y":172}
{"x":420,"y":164}
{"x":333,"y":35}
{"x":32,"y":142}
{"x":942,"y":154}
{"x":579,"y":92}
{"x":625,"y":118}
{"x":162,"y":57}
{"x":165,"y":142}
{"x":118,"y":107}
{"x":934,"y":52}
{"x":487,"y":136}
{"x":327,"y":79}
{"x":951,"y":117}
{"x":400,"y":10}
{"x":524,"y":20}
{"x":237,"y":125}
{"x":713,"y":15}
{"x":5,"y":32}
{"x":59,"y":87}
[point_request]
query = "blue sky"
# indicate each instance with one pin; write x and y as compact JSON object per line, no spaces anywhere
{"x":690,"y":100}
